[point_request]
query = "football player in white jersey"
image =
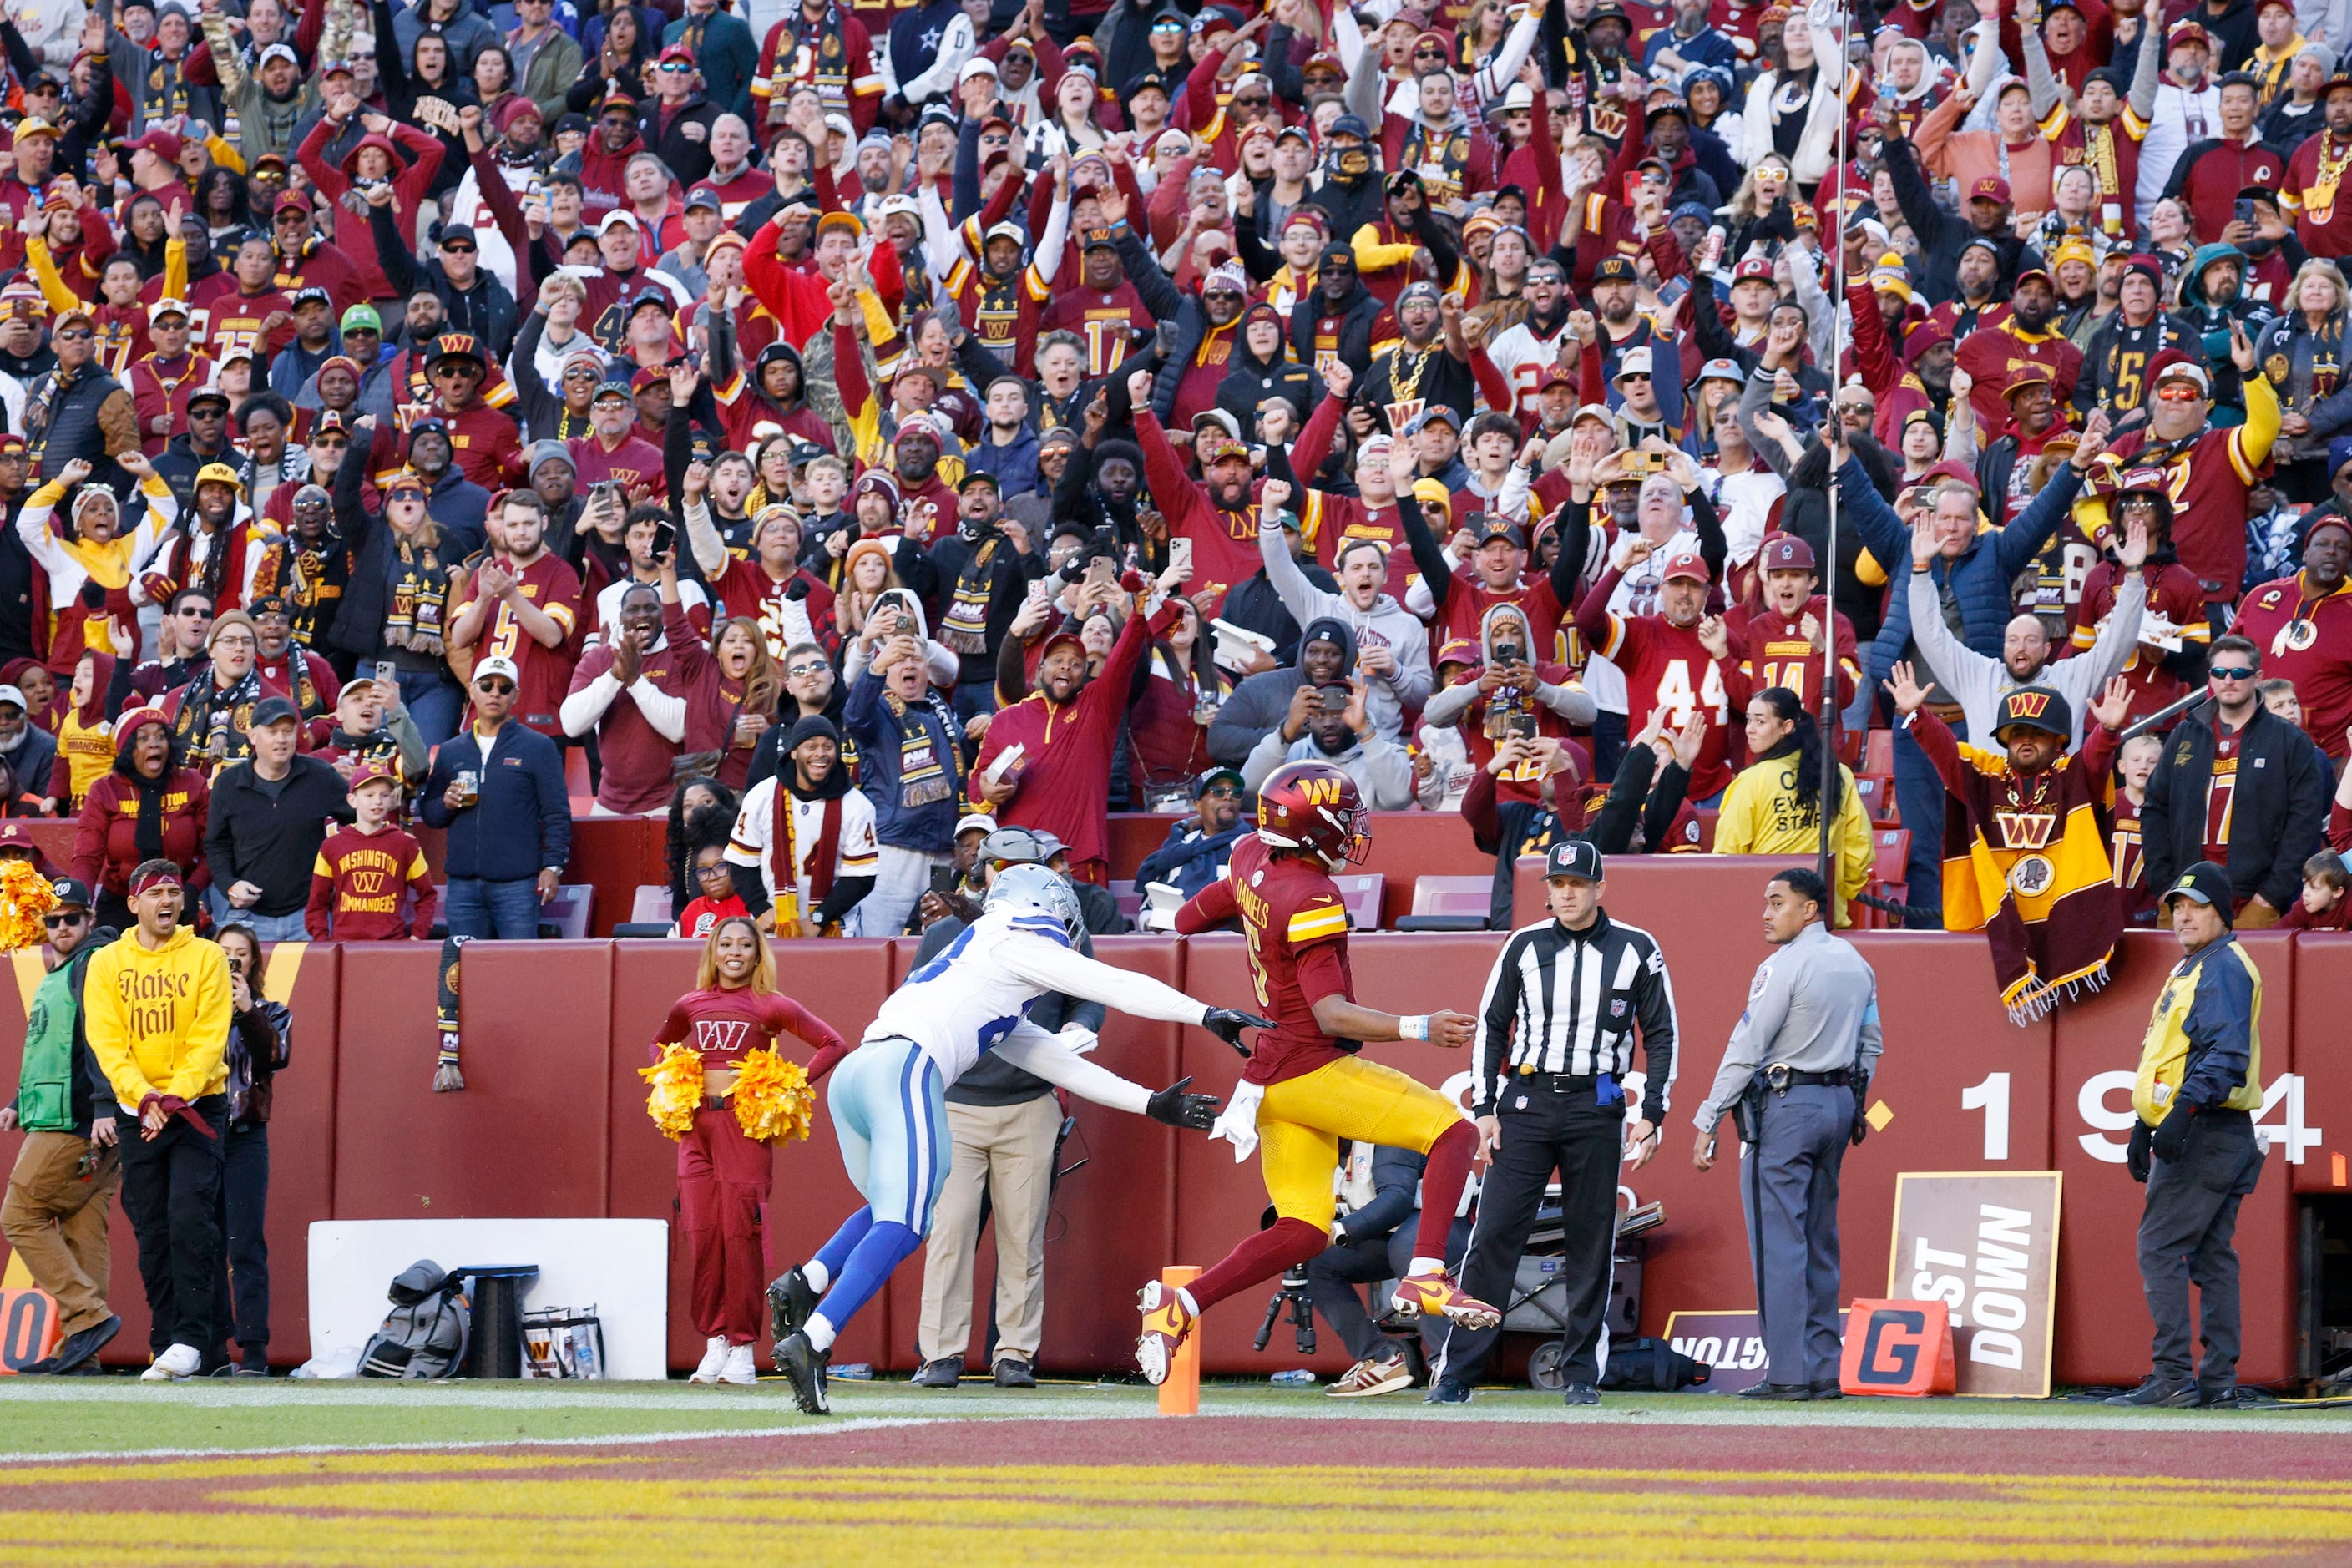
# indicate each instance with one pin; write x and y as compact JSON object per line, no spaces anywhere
{"x":889,"y":1097}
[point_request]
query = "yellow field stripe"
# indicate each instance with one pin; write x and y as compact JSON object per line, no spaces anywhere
{"x":485,"y":1509}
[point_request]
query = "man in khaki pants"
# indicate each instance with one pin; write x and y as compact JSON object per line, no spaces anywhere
{"x":67,"y":1171}
{"x":1005,"y":1123}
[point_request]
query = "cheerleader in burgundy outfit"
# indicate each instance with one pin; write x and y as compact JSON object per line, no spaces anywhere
{"x":723,"y":1177}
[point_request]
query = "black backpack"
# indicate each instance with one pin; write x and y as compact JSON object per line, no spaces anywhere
{"x":1651,"y":1367}
{"x":425,"y":1335}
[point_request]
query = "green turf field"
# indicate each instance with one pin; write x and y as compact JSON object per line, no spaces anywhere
{"x":118,"y":1415}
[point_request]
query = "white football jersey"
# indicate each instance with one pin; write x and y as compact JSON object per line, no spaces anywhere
{"x":973,"y":994}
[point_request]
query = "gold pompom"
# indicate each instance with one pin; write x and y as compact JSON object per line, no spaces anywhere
{"x":25,"y":896}
{"x":772,"y":1097}
{"x":677,"y":1090}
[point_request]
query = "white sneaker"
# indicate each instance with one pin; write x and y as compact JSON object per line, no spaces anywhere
{"x":1371,"y":1377}
{"x":741,"y":1368}
{"x":176,"y":1364}
{"x":714,"y":1356}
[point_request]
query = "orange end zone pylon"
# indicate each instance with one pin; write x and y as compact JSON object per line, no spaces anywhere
{"x":1181,"y":1394}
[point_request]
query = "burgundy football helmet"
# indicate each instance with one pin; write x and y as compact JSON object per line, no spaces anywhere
{"x":1315,"y":810}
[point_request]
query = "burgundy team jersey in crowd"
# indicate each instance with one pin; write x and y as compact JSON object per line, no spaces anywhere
{"x":356,"y":886}
{"x":2306,"y":638}
{"x":544,"y":673}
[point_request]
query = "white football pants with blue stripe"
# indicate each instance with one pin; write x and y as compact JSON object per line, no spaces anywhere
{"x":891,"y":1113}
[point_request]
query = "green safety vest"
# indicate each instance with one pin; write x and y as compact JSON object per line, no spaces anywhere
{"x":45,"y":1091}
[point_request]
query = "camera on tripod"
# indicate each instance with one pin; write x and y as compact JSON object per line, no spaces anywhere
{"x":1293,"y":1296}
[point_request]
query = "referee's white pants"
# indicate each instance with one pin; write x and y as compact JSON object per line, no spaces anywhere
{"x":901,"y":877}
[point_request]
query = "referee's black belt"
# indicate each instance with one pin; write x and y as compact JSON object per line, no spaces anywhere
{"x":1778,"y":1078}
{"x":1560,"y":1082}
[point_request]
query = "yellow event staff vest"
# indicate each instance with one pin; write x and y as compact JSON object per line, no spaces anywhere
{"x":2164,"y":1053}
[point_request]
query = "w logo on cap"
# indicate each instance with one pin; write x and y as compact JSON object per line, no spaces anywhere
{"x":2038,"y":707}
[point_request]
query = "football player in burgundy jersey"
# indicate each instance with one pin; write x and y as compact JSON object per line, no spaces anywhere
{"x":1304,"y":1088}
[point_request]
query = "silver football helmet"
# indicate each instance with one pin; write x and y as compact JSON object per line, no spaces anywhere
{"x":1019,"y":887}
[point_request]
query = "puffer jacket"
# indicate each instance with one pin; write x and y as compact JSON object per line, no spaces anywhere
{"x":1979,"y":578}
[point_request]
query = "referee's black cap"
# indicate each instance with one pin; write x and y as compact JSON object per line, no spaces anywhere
{"x":1573,"y":857}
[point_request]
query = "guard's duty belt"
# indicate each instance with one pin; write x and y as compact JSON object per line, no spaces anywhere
{"x":1748,"y":1111}
{"x":1780,"y":1079}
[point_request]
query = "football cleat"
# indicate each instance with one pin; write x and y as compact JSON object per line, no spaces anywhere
{"x":804,"y":1364}
{"x":791,"y":1302}
{"x":1371,"y":1376}
{"x":1436,"y":1295}
{"x":1166,"y":1321}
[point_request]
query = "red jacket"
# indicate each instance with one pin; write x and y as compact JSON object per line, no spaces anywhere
{"x":415,"y":157}
{"x":106,"y":838}
{"x":1069,"y":796}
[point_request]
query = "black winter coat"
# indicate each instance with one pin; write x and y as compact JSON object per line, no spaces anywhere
{"x":2278,"y":813}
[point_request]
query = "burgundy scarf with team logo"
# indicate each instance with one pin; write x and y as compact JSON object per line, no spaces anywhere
{"x":2026,"y":860}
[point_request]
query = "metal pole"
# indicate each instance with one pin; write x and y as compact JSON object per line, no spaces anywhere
{"x":1826,"y":867}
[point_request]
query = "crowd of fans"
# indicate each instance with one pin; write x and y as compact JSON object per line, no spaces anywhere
{"x":851,"y":430}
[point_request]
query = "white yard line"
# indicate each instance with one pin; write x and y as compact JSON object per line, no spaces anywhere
{"x":863,"y":1412}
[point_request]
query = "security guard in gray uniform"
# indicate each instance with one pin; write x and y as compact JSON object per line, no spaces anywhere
{"x":1796,"y":1077}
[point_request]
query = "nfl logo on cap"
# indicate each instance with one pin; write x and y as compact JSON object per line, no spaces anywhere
{"x":1573,"y":857}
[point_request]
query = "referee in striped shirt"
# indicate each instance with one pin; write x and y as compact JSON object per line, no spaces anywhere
{"x":1555,"y":1045}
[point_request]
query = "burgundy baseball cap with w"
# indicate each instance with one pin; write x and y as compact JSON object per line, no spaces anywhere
{"x":1787,"y":552}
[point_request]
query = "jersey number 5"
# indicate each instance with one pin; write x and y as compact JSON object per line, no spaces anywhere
{"x":1257,"y":968}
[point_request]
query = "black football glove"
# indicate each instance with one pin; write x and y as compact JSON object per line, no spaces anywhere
{"x":2171,"y":1139}
{"x":1174,"y":1107}
{"x":1227,"y":1025}
{"x":2137,"y":1151}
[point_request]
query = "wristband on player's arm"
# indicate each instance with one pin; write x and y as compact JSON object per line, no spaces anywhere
{"x":1413,"y":1027}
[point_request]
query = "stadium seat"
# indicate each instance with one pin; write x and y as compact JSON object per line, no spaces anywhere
{"x":1361,"y":894}
{"x":566,"y":914}
{"x":1890,"y":854}
{"x":1877,"y":792}
{"x":1449,"y":903}
{"x":1878,"y":753}
{"x":1849,"y":746}
{"x":652,"y":905}
{"x":576,"y":782}
{"x":1129,"y":897}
